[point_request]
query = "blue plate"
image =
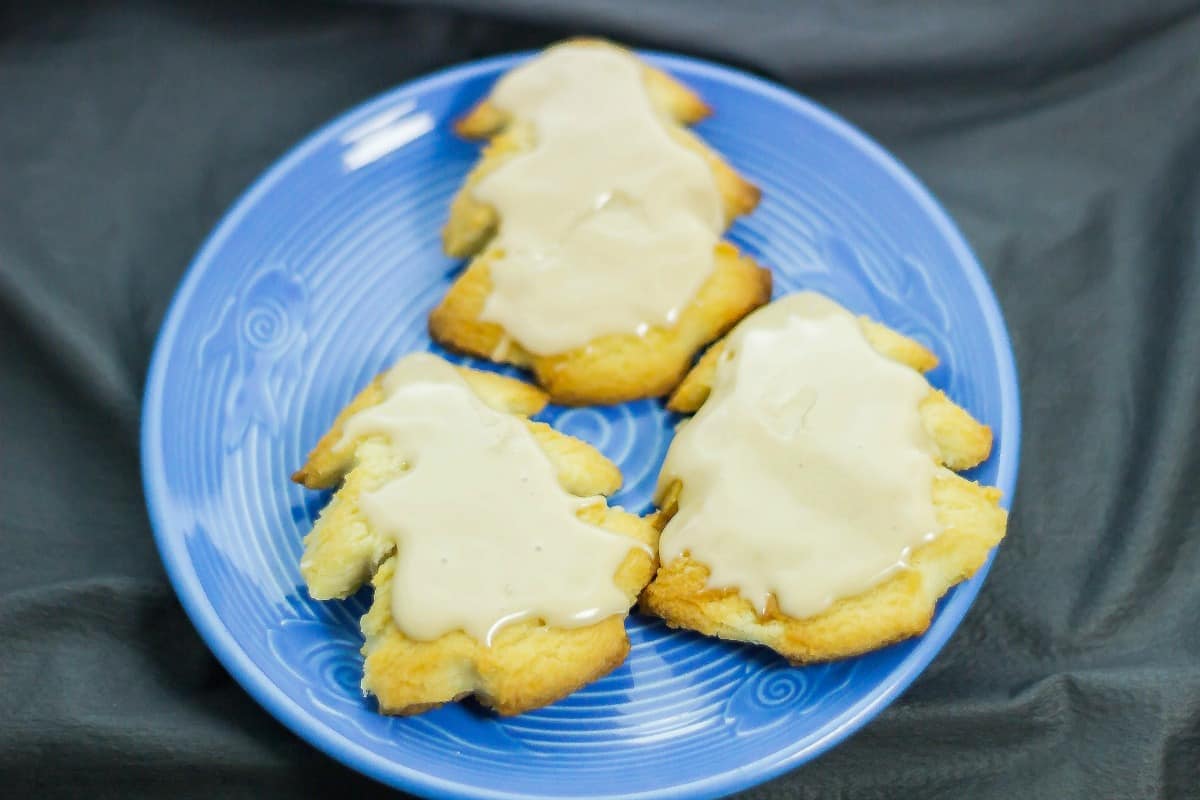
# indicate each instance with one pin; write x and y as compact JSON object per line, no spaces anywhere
{"x":322,"y":275}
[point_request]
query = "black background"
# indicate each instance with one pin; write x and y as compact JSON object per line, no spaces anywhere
{"x":1063,"y":137}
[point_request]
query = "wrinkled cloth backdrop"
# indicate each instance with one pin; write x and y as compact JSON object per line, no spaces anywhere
{"x":1063,"y":137}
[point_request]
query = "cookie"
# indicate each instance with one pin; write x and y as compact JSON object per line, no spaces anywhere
{"x":594,"y":220}
{"x":485,"y":535}
{"x":835,"y":483}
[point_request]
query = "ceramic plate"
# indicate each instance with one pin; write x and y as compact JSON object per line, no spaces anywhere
{"x":323,"y":274}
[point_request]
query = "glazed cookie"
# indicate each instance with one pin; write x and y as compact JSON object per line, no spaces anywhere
{"x":594,"y":222}
{"x":809,"y":505}
{"x":485,"y":535}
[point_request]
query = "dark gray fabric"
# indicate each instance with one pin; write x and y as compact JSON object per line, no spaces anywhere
{"x":1063,"y":137}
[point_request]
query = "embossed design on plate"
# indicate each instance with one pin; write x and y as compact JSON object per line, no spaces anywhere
{"x":772,"y":691}
{"x":262,"y":330}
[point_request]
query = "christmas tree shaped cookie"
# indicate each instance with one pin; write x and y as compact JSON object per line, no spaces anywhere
{"x":486,"y":536}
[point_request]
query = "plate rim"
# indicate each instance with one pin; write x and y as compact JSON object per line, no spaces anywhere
{"x":400,"y":775}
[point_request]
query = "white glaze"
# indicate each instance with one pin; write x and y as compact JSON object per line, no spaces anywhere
{"x":807,"y":474}
{"x":607,"y":226}
{"x":485,"y":534}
